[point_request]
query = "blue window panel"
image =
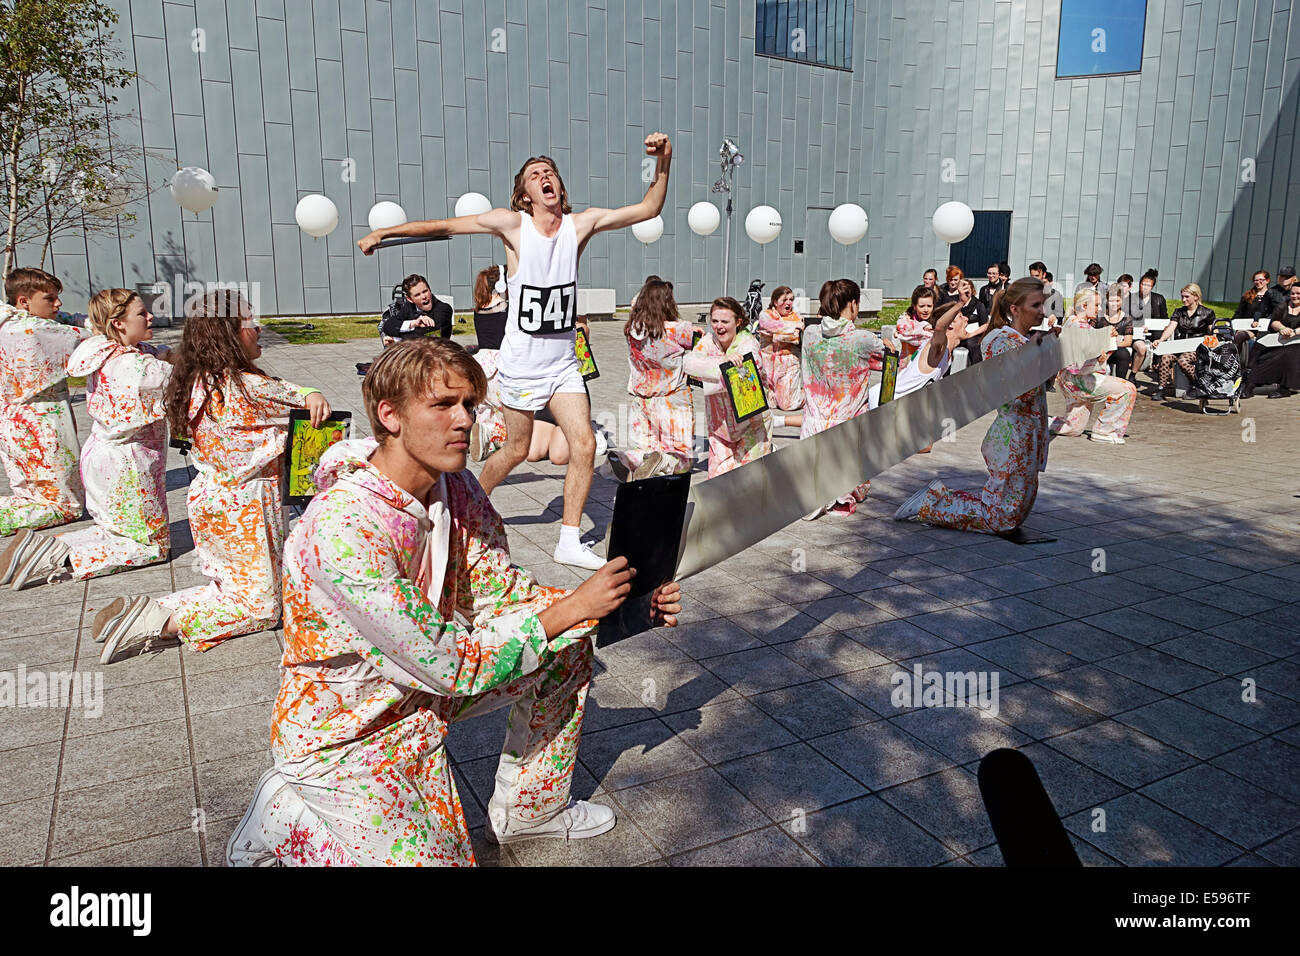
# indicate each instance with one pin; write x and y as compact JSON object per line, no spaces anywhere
{"x":809,"y":31}
{"x":1100,"y":37}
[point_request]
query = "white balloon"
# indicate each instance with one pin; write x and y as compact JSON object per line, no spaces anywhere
{"x":953,"y":221}
{"x":194,"y":189}
{"x":763,"y":224}
{"x":385,"y":214}
{"x":650,"y":230}
{"x":473,"y":204}
{"x":317,"y":215}
{"x":848,"y":223}
{"x":703,"y":218}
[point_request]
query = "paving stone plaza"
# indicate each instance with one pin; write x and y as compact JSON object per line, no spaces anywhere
{"x":1147,"y":662}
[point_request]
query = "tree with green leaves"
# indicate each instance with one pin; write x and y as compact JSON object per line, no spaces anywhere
{"x":62,"y":167}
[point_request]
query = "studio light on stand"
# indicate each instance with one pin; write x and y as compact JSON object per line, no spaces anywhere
{"x":729,"y":157}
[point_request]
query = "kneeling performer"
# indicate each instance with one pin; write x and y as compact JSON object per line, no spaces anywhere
{"x":403,"y":614}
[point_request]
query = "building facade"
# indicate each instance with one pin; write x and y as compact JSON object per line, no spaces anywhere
{"x":1185,"y":166}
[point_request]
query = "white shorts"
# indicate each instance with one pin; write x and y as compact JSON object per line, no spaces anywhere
{"x":532,"y":394}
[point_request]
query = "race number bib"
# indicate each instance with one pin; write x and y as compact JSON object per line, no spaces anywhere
{"x":546,"y":311}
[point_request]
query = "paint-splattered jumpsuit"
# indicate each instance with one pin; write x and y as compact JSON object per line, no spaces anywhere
{"x":488,"y":415}
{"x":662,"y":413}
{"x":1015,"y":451}
{"x":778,"y":359}
{"x":124,"y":462}
{"x":731,"y":443}
{"x":400,"y":620}
{"x":836,"y":357}
{"x":913,"y":331}
{"x":38,"y":433}
{"x":235,"y":509}
{"x":1086,"y":384}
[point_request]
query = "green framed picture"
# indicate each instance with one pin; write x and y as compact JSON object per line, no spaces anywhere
{"x":305,"y":448}
{"x":744,"y":387}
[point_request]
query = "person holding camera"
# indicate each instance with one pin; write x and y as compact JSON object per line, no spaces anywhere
{"x":416,"y":313}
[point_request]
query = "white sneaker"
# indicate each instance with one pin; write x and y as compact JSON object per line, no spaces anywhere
{"x":477,"y":447}
{"x":1106,"y":438}
{"x":910,"y":508}
{"x":134,"y":630}
{"x":602,"y":446}
{"x":44,"y":559}
{"x":246,"y":846}
{"x":578,"y":556}
{"x":578,"y":822}
{"x":15,"y":553}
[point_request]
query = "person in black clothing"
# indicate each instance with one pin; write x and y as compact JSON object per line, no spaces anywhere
{"x":973,"y":312}
{"x":948,"y":292}
{"x":1191,"y":320}
{"x":1258,"y":302}
{"x":1280,"y":294}
{"x":1120,"y":325}
{"x":417,"y":313}
{"x":1147,"y":303}
{"x":1280,"y":365}
{"x":995,"y":284}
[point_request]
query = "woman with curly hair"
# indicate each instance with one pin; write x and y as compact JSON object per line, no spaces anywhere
{"x":236,"y":418}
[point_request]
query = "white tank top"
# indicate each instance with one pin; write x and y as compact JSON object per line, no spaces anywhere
{"x":539,"y":335}
{"x":910,"y":378}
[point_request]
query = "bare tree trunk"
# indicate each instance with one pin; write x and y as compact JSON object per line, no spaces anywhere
{"x":11,"y":239}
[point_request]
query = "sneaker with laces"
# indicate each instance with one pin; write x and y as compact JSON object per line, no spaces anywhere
{"x":44,"y":560}
{"x":15,"y":553}
{"x":578,"y":556}
{"x":246,"y":847}
{"x":910,"y":508}
{"x":1106,"y":438}
{"x":134,"y":630}
{"x":108,"y":617}
{"x":578,"y":821}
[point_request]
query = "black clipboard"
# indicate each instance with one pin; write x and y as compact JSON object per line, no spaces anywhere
{"x":586,"y":360}
{"x":303,"y":440}
{"x":696,"y":335}
{"x":646,"y":529}
{"x":732,"y":372}
{"x":888,"y":376}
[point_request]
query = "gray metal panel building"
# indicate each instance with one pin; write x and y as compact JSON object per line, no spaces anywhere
{"x":1185,"y":166}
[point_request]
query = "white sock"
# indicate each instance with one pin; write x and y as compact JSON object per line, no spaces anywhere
{"x":569,"y":536}
{"x":778,"y":421}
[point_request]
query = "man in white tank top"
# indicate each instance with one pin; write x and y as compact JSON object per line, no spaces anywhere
{"x":544,"y":239}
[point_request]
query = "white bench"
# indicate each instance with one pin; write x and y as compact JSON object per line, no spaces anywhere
{"x":596,"y":302}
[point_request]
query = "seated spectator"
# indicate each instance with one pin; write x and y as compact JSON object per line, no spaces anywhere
{"x":995,"y":284}
{"x":1257,"y":302}
{"x":1281,"y":293}
{"x":949,"y":292}
{"x":1120,"y":325}
{"x":972,"y":312}
{"x":1191,"y":320}
{"x":913,"y":328}
{"x":490,"y":309}
{"x":1147,"y":303}
{"x":1280,"y":365}
{"x":1092,"y":280}
{"x":931,"y":280}
{"x":1053,"y":302}
{"x":416,"y":314}
{"x":1125,"y":285}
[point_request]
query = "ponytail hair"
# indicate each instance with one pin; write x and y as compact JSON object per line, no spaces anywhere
{"x":836,"y":296}
{"x":1014,"y":294}
{"x":485,"y":286}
